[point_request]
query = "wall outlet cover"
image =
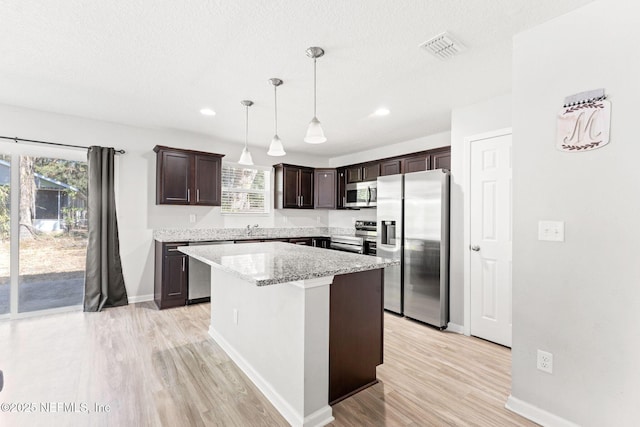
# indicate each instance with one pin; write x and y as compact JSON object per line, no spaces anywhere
{"x":545,"y":361}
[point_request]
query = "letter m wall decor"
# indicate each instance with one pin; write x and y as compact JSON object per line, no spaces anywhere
{"x":584,"y":125}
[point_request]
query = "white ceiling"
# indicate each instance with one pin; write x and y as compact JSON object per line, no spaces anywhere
{"x":157,"y":63}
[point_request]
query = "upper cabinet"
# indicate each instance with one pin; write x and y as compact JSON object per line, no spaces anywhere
{"x":294,"y":187}
{"x":416,"y":163}
{"x":366,"y":172}
{"x":441,"y":159}
{"x":390,"y":167}
{"x":325,"y":189}
{"x":186,"y":177}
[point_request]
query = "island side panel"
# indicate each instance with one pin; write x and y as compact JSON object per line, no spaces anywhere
{"x":277,"y":326}
{"x":355,"y":332}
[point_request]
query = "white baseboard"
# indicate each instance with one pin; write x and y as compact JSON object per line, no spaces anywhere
{"x":535,"y":414}
{"x":453,"y":327}
{"x":140,"y":298}
{"x":320,"y":418}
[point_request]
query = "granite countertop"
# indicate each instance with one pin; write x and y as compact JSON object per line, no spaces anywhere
{"x":270,"y":263}
{"x":213,"y":234}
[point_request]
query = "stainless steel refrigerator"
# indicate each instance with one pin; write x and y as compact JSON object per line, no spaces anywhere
{"x":413,"y":227}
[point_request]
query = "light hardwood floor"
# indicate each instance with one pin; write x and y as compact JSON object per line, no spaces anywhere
{"x":160,"y":368}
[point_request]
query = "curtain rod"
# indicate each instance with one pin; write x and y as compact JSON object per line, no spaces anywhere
{"x":16,"y":139}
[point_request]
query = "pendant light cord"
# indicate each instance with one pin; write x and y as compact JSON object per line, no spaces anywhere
{"x":275,"y":102}
{"x":315,"y":102}
{"x":246,"y":136}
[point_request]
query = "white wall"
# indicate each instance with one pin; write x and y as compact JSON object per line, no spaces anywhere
{"x":138,"y":214}
{"x":579,"y":299}
{"x":438,"y":140}
{"x":486,"y":116}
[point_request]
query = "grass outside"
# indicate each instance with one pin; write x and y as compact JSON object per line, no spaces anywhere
{"x":46,"y":254}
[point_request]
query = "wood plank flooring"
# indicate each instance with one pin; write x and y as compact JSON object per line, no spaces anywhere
{"x":160,"y":368}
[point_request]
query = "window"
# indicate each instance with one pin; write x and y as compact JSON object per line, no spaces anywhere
{"x":245,"y":189}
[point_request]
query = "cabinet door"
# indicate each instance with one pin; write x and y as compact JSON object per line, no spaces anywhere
{"x":441,"y":160}
{"x":306,"y":188}
{"x":371,"y":172}
{"x":354,"y":174}
{"x":174,"y":278}
{"x":325,"y":188}
{"x":207,"y":180}
{"x":416,"y":164}
{"x":390,"y":167}
{"x":290,"y":188}
{"x":173,"y":178}
{"x":341,"y":190}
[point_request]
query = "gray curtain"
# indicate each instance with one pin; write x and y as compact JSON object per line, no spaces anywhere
{"x":104,"y":282}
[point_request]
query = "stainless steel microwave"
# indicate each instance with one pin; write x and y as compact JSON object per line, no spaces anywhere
{"x":361,"y":195}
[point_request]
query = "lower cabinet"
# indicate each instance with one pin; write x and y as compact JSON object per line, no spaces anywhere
{"x":171,"y":282}
{"x":320,"y":242}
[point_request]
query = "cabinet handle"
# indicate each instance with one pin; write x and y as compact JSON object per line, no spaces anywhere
{"x":183,"y":258}
{"x":301,"y":200}
{"x":197,"y":194}
{"x":172,"y":250}
{"x":344,"y":200}
{"x":188,"y":194}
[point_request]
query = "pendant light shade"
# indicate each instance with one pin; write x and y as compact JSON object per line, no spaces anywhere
{"x":245,"y":157}
{"x":276,"y":148}
{"x":315,"y":134}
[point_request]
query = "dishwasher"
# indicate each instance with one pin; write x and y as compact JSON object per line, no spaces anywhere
{"x":200,"y":276}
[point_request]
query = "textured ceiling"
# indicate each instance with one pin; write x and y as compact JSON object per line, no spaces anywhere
{"x":156,"y":63}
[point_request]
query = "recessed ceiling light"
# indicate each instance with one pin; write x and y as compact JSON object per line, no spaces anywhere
{"x":382,"y":111}
{"x":207,"y":112}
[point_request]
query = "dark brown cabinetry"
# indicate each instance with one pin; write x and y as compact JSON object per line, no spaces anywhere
{"x":355,"y":332}
{"x":366,"y":172}
{"x":441,"y":160}
{"x":325,"y":188}
{"x":416,"y":163}
{"x":186,"y":177}
{"x":294,"y":187}
{"x":171,"y":275}
{"x":390,"y":167}
{"x":320,"y":242}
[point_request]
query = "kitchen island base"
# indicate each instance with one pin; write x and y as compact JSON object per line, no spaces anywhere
{"x":303,"y":343}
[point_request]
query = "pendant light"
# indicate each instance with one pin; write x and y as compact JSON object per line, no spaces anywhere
{"x":245,"y":157}
{"x":315,"y":134}
{"x":276,"y":148}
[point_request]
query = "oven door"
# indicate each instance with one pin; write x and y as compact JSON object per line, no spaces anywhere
{"x":361,"y":195}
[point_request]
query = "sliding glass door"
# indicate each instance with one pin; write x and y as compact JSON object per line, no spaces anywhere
{"x":43,"y":231}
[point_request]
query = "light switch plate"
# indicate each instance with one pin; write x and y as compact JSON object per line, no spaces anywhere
{"x":192,"y":218}
{"x":552,"y":231}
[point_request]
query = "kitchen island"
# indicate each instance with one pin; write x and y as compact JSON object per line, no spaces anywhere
{"x":303,"y":323}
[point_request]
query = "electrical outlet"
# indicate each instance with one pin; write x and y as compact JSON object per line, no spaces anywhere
{"x":235,"y":316}
{"x":192,"y":218}
{"x":545,"y":361}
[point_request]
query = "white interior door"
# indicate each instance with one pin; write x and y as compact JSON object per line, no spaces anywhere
{"x":490,"y":237}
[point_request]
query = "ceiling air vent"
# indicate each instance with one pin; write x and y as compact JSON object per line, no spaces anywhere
{"x":443,"y":46}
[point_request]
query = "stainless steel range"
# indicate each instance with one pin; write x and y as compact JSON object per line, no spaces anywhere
{"x":364,"y":241}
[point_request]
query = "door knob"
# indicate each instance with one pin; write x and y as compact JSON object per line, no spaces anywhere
{"x":475,"y":248}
